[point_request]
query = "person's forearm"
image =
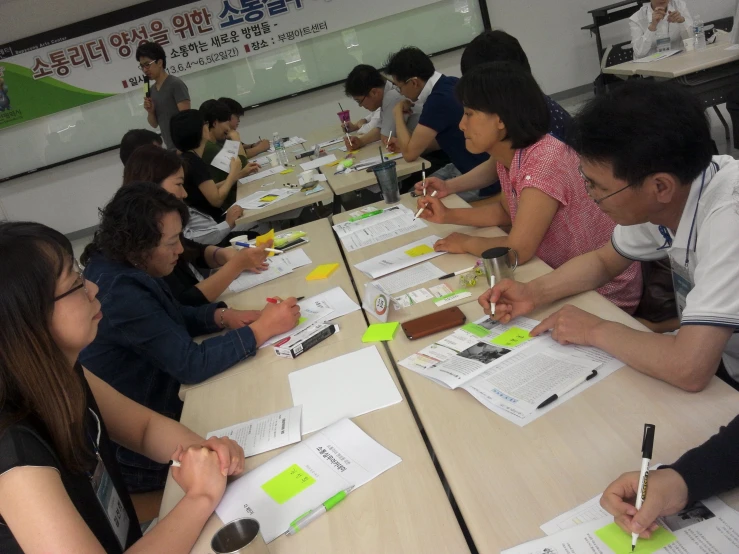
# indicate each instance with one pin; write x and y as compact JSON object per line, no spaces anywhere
{"x":224,"y":187}
{"x":255,"y":150}
{"x":477,"y":245}
{"x":372,"y":136}
{"x":491,"y":215}
{"x":401,"y":131}
{"x":215,"y":285}
{"x":179,"y":530}
{"x":162,"y":436}
{"x":580,"y":274}
{"x":152,"y":119}
{"x":481,"y":176}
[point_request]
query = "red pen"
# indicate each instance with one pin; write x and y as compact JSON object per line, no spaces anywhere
{"x":273,"y":300}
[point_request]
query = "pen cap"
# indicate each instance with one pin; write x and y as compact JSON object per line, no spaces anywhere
{"x":648,"y":441}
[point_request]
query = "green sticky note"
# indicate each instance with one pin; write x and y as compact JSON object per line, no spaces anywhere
{"x":380,"y":331}
{"x":284,"y":486}
{"x":512,"y":337}
{"x":302,"y":320}
{"x":620,"y":541}
{"x":475,"y":329}
{"x":419,"y":250}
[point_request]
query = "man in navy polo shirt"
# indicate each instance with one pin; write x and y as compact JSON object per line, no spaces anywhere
{"x":413,"y":73}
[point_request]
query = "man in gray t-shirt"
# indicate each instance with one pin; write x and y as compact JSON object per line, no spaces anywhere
{"x":371,"y":90}
{"x":168,"y":94}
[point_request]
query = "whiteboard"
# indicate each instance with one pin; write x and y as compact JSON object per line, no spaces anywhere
{"x":254,"y":80}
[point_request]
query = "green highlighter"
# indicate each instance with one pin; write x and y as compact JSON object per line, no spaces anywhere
{"x":307,"y":518}
{"x":365,"y":216}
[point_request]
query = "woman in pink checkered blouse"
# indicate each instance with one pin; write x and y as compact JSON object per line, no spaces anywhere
{"x":544,"y":199}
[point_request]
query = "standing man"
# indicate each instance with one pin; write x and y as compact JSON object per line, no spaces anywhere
{"x":169,"y":94}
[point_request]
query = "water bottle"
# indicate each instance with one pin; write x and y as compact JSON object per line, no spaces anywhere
{"x":700,"y":35}
{"x":279,"y":149}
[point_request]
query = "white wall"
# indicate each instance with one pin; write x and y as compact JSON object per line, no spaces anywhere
{"x":67,"y":198}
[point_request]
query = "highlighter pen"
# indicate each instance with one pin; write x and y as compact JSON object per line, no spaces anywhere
{"x":646,"y":457}
{"x":307,"y":518}
{"x":421,"y":209}
{"x":492,"y":304}
{"x":247,"y":245}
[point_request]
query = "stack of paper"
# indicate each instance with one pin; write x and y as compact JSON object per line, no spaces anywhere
{"x":411,"y":277}
{"x":400,"y":258}
{"x":371,"y":229}
{"x":263,"y":434}
{"x":278,"y":266}
{"x":507,"y":370}
{"x":223,"y":159}
{"x":302,"y":478}
{"x":262,"y":174}
{"x":347,"y":386}
{"x":265,"y":198}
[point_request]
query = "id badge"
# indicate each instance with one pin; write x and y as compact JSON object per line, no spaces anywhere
{"x":682,"y":283}
{"x":111,"y":503}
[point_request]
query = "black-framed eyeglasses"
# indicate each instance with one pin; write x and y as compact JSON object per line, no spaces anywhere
{"x":143,"y":66}
{"x":360,"y":102}
{"x":589,"y":187}
{"x":78,"y":270}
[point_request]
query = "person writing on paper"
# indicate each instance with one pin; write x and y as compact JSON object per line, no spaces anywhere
{"x":543,"y":199}
{"x":190,"y":134}
{"x":414,"y":75}
{"x":237,"y":112}
{"x":144,"y":347}
{"x":490,"y":46}
{"x":55,"y":416}
{"x":218,"y":118}
{"x":365,"y":124}
{"x":371,"y":91}
{"x":658,"y":17}
{"x":168,"y":95}
{"x":187,"y":282}
{"x":670,"y":199}
{"x":700,"y":473}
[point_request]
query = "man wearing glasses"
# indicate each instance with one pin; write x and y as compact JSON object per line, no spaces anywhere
{"x":169,"y":94}
{"x":370,"y":90}
{"x":653,"y":173}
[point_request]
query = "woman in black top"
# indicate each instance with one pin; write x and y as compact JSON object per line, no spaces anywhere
{"x":57,"y":420}
{"x":190,"y":281}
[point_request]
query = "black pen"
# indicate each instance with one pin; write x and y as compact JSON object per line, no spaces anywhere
{"x":576,"y":384}
{"x":647,"y":445}
{"x":299,"y":298}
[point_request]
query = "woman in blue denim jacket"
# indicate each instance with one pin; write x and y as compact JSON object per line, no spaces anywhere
{"x":144,"y":347}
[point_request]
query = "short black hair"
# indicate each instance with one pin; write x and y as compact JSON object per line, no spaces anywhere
{"x":234,"y":107}
{"x":362,"y":79}
{"x":135,"y":138}
{"x":130,"y":223}
{"x":511,"y":92}
{"x":409,"y":62}
{"x":153,"y":51}
{"x":186,"y":128}
{"x":642,"y":128}
{"x":214,"y":111}
{"x":493,"y":46}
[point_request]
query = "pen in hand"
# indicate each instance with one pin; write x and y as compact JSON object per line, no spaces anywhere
{"x":646,"y":454}
{"x":387,"y":144}
{"x":420,"y":210}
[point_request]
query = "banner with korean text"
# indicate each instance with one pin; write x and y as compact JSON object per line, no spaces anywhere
{"x":95,"y":58}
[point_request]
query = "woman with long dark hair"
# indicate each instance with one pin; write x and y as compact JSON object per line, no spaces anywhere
{"x":144,"y":346}
{"x":57,"y":420}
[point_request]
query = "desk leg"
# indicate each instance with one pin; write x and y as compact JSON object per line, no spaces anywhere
{"x":725,"y":124}
{"x":337,"y":204}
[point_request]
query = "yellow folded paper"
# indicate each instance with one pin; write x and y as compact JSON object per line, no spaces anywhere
{"x":321,"y":272}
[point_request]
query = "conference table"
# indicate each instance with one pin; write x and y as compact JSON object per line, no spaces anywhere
{"x":505,"y":480}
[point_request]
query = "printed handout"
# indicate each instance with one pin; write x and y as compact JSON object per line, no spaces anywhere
{"x":390,"y":223}
{"x":264,"y":198}
{"x":263,"y":434}
{"x":411,"y":254}
{"x":278,"y":266}
{"x":262,"y":174}
{"x":223,"y":159}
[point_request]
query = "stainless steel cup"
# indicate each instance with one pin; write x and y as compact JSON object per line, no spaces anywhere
{"x":387,"y":177}
{"x":241,"y":536}
{"x":497,"y":263}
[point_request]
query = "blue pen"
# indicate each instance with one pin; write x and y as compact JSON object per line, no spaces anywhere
{"x":247,"y":245}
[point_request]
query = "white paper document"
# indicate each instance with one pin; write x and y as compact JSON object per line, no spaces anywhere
{"x":506,"y":370}
{"x":336,"y":299}
{"x":309,"y":315}
{"x":657,"y":56}
{"x":263,"y":434}
{"x":303,"y":477}
{"x":262,"y":174}
{"x":262,"y":160}
{"x":278,"y":266}
{"x":347,"y":386}
{"x":709,"y":526}
{"x":392,"y":222}
{"x":590,"y":511}
{"x":330,"y":142}
{"x":411,"y":254}
{"x":293,"y":141}
{"x":315,"y":164}
{"x":264,"y":198}
{"x":223,"y":159}
{"x":409,"y":278}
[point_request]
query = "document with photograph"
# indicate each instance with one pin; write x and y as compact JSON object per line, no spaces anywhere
{"x":508,"y":371}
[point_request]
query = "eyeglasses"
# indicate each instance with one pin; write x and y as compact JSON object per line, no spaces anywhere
{"x":360,"y":102}
{"x":143,"y":66}
{"x":589,"y":187}
{"x":78,"y":270}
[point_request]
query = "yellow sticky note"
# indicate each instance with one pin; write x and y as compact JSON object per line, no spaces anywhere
{"x":332,"y":164}
{"x":620,"y":541}
{"x":512,"y":337}
{"x":380,"y":331}
{"x":284,"y":486}
{"x":321,"y":272}
{"x":286,"y":171}
{"x":268,"y":198}
{"x":419,"y":250}
{"x":265,"y":239}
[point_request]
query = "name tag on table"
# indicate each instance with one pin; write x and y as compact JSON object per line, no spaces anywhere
{"x":111,"y":503}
